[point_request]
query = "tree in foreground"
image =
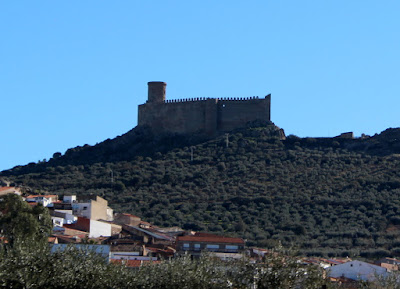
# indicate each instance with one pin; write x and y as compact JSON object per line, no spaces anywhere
{"x":21,"y":223}
{"x":78,"y":269}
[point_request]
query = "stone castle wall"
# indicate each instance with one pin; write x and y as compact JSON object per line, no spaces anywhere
{"x":232,"y":114}
{"x":200,"y":115}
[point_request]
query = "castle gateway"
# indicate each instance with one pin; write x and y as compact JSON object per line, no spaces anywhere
{"x":208,"y":116}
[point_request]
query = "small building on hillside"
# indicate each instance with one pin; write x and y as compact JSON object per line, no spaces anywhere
{"x":389,"y":263}
{"x":9,"y":190}
{"x":94,"y":207}
{"x":357,"y":270}
{"x":61,"y":217}
{"x":223,"y":247}
{"x":387,"y":260}
{"x":45,"y":200}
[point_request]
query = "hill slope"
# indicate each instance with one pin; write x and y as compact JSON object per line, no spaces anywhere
{"x":322,"y":196}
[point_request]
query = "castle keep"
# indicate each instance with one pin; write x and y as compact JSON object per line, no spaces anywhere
{"x":208,"y":116}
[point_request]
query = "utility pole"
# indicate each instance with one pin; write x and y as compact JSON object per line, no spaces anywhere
{"x":227,"y":139}
{"x":112,"y":178}
{"x":191,"y":154}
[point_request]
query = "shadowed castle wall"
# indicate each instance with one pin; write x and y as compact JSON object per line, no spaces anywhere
{"x":200,"y":115}
{"x":179,"y":117}
{"x":236,"y":113}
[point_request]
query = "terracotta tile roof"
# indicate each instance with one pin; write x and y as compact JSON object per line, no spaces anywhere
{"x":392,"y":259}
{"x":36,"y":196}
{"x":261,"y":249}
{"x":51,"y":239}
{"x":9,"y":190}
{"x":310,"y":261}
{"x":209,"y":238}
{"x":73,"y":232}
{"x":130,"y":215}
{"x":332,"y":261}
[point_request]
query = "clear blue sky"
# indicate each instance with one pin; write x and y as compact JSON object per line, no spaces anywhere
{"x":73,"y":72}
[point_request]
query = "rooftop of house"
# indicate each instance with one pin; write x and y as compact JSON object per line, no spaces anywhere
{"x":2,"y":189}
{"x":209,"y":238}
{"x":126,"y":248}
{"x":333,"y":261}
{"x":389,"y":259}
{"x":65,"y":230}
{"x":52,"y":239}
{"x":123,"y":241}
{"x":130,"y":215}
{"x":41,"y":196}
{"x":69,"y":239}
{"x":88,"y":198}
{"x":166,"y":230}
{"x":149,"y":232}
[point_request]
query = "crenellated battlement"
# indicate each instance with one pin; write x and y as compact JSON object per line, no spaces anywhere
{"x":202,"y":115}
{"x":186,"y":100}
{"x":208,"y":98}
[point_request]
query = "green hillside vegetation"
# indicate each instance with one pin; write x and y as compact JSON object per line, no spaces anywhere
{"x":332,"y":197}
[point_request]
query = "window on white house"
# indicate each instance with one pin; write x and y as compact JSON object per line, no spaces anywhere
{"x":186,"y":246}
{"x":197,"y":247}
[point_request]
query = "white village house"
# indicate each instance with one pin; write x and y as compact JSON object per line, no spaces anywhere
{"x":357,"y":270}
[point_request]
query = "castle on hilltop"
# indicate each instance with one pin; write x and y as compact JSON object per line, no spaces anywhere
{"x":208,"y":116}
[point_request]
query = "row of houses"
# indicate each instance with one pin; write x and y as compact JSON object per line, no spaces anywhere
{"x":89,"y":220}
